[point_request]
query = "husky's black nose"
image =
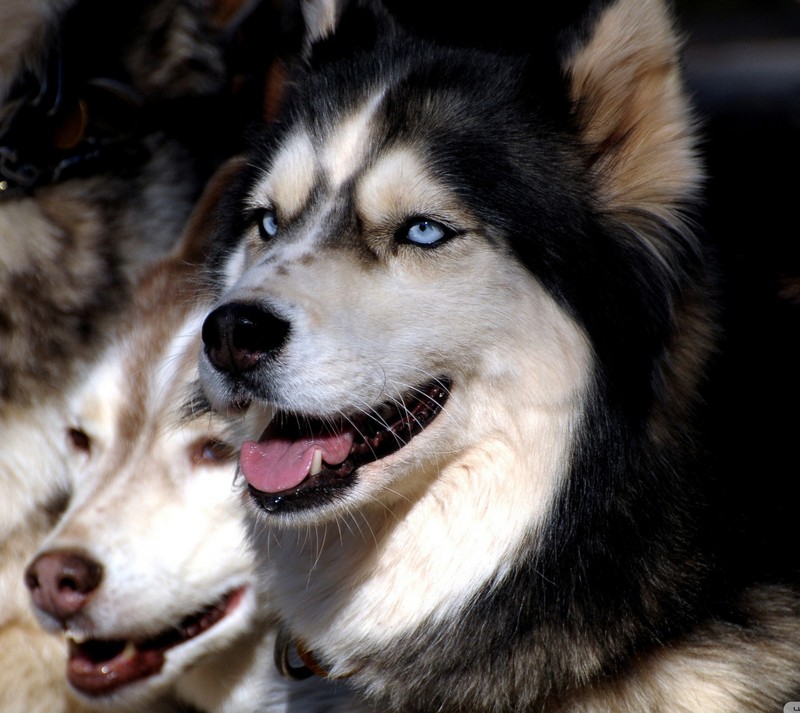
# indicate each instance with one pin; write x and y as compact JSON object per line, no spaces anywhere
{"x":237,"y":336}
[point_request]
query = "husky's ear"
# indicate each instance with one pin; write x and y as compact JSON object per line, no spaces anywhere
{"x":197,"y":235}
{"x":337,"y":28}
{"x":320,"y":18}
{"x":632,"y":112}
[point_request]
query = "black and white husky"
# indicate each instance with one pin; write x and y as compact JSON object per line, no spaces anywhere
{"x":468,"y":284}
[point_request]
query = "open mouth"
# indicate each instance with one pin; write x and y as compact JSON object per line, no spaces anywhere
{"x":99,"y":667}
{"x":301,"y":461}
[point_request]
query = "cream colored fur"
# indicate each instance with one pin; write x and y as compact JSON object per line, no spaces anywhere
{"x":34,"y":465}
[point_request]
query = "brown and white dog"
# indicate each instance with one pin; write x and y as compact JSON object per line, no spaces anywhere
{"x":150,"y":571}
{"x":97,"y":178}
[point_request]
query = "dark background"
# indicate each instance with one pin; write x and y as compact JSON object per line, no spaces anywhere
{"x":742,"y":63}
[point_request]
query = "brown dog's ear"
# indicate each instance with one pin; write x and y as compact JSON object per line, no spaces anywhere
{"x":632,"y":113}
{"x":197,"y":234}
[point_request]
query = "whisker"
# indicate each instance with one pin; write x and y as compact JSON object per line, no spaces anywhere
{"x":319,"y":548}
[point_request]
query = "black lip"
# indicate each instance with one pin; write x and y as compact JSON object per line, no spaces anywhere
{"x":376,"y":438}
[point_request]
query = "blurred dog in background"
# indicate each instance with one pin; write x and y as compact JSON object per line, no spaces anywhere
{"x":150,"y":571}
{"x":102,"y":157}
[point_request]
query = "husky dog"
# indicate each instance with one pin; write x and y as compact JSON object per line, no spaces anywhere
{"x":149,"y":570}
{"x":468,"y":284}
{"x":96,"y":180}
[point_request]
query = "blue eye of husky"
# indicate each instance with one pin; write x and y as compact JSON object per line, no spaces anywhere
{"x":422,"y":231}
{"x":267,"y":222}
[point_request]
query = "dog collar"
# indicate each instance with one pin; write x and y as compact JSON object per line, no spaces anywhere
{"x":52,"y":129}
{"x":285,"y":647}
{"x":288,"y":648}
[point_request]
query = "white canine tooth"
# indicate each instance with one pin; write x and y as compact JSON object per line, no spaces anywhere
{"x":128,"y":654}
{"x":75,"y":636}
{"x":316,"y":462}
{"x":129,"y":651}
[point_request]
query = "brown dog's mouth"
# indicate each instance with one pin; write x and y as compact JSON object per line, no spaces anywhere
{"x":300,"y":461}
{"x":98,"y":667}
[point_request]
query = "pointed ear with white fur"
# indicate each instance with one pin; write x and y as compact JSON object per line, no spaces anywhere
{"x":319,"y":17}
{"x":632,"y":112}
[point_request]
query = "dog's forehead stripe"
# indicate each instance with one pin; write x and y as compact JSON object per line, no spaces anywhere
{"x":399,"y":186}
{"x":298,"y":164}
{"x":290,"y":179}
{"x":345,"y":149}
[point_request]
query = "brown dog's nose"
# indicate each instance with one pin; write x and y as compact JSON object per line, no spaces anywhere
{"x":62,"y":581}
{"x":238,"y":336}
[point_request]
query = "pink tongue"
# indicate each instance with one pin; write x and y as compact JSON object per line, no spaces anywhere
{"x":276,"y":463}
